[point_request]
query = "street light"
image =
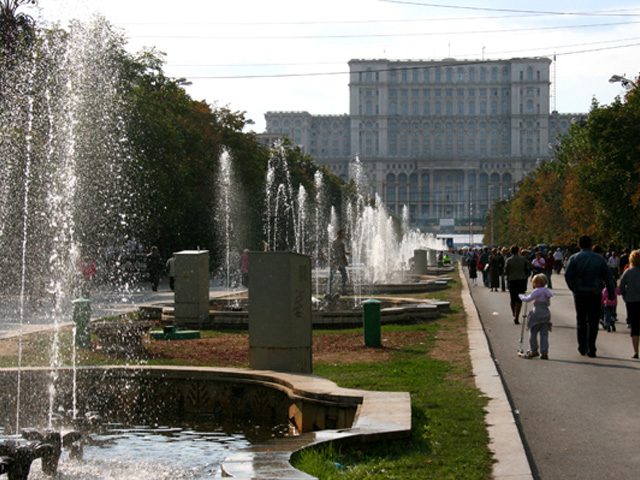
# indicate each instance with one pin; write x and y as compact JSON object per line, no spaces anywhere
{"x":623,"y":80}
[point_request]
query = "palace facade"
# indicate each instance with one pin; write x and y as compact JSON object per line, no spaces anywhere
{"x":443,"y":139}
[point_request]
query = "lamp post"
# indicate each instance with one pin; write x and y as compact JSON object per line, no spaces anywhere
{"x":470,"y":217}
{"x":624,"y":81}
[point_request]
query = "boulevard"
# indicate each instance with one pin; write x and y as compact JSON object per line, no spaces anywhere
{"x":577,"y":415}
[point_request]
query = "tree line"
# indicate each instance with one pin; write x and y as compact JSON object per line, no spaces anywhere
{"x":146,"y":155}
{"x":591,"y":186}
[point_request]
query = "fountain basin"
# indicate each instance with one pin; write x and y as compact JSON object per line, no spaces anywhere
{"x":318,"y":408}
{"x":233,"y":313}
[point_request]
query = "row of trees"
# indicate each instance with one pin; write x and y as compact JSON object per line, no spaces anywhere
{"x":592,"y":186}
{"x":144,"y":156}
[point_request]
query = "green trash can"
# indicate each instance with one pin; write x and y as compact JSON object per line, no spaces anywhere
{"x":371,"y":321}
{"x":81,"y":319}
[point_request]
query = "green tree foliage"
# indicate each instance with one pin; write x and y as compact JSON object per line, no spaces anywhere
{"x":591,"y":187}
{"x":15,"y":27}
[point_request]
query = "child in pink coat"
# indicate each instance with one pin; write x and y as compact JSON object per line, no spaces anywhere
{"x":609,"y":307}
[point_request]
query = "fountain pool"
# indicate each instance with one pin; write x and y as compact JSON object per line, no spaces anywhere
{"x":192,"y":449}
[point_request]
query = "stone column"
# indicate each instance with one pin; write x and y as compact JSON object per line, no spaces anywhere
{"x":280,"y":329}
{"x":192,"y":288}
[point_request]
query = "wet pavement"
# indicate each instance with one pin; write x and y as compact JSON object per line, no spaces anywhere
{"x":27,"y":316}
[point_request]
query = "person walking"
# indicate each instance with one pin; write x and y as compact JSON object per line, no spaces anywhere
{"x":155,"y":266}
{"x":483,"y":261}
{"x":516,"y":269}
{"x":496,"y":267}
{"x":472,"y":264}
{"x":586,"y":272}
{"x":339,"y":261}
{"x":558,"y":260}
{"x":630,"y":291}
{"x":503,"y":279}
{"x":539,"y":319}
{"x":549,"y":264}
{"x":609,"y":313}
{"x":171,"y":270}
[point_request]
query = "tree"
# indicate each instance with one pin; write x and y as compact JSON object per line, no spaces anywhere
{"x":15,"y":26}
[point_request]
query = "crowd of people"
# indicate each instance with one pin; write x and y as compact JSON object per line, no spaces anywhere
{"x":595,"y":277}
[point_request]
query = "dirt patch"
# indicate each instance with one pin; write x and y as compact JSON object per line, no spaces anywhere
{"x":350,"y":348}
{"x":233,"y":349}
{"x":8,"y":348}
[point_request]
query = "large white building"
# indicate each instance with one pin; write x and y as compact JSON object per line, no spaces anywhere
{"x":444,"y":138}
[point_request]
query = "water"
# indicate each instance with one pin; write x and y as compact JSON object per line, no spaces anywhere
{"x":188,"y":450}
{"x":65,"y":191}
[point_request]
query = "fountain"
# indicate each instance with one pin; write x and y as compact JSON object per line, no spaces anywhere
{"x":67,"y":184}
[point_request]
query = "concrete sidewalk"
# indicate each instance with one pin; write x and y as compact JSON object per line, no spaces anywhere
{"x":103,"y":304}
{"x":505,"y":441}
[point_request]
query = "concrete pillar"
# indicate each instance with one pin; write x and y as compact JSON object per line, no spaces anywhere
{"x":280,"y":329}
{"x":432,"y":257}
{"x":192,"y":288}
{"x":420,"y":262}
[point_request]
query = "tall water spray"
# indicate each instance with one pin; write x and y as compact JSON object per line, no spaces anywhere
{"x":224,"y":213}
{"x":286,"y":213}
{"x":63,"y":142}
{"x":381,"y":245}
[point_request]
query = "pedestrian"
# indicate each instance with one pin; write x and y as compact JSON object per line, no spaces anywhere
{"x":155,"y":266}
{"x":483,"y":261}
{"x":609,"y":310}
{"x":503,"y":279}
{"x":171,"y":271}
{"x":539,"y":319}
{"x":558,"y":260}
{"x":537,"y":264}
{"x":630,"y":291}
{"x":516,"y":269}
{"x":496,"y":267}
{"x":549,"y":263}
{"x":614,"y":261}
{"x":586,"y":272}
{"x":244,"y":267}
{"x":624,"y":260}
{"x":88,"y":271}
{"x":338,"y":261}
{"x":472,"y":264}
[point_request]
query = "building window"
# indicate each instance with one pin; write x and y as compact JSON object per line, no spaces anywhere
{"x":391,"y":193}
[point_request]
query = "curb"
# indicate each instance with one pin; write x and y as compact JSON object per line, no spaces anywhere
{"x":504,"y":438}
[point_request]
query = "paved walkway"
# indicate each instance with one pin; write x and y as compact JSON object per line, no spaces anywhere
{"x":577,"y":416}
{"x":103,"y":304}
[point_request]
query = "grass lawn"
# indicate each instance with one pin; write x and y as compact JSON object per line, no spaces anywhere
{"x":430,"y":360}
{"x":449,"y":438}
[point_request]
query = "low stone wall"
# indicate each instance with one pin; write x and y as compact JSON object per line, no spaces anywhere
{"x":155,"y":393}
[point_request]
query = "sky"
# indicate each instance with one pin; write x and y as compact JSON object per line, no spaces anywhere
{"x":291,"y":55}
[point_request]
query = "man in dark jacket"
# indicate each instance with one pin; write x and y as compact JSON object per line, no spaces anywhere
{"x":586,"y":273}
